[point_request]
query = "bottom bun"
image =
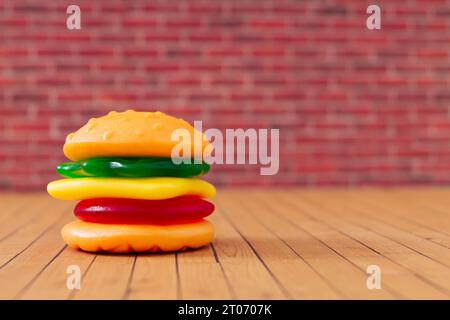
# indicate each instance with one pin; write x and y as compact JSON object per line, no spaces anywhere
{"x":121,"y":238}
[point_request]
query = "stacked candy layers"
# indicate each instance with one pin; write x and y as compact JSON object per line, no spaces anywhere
{"x":134,"y":198}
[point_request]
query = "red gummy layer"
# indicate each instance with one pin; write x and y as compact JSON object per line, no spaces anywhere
{"x":176,"y":210}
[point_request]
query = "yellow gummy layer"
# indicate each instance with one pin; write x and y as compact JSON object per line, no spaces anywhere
{"x":142,"y":188}
{"x":122,"y":238}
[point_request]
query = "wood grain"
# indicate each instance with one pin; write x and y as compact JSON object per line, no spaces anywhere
{"x":270,"y":244}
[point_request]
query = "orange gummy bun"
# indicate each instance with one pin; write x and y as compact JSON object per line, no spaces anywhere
{"x":122,"y":238}
{"x":131,"y":134}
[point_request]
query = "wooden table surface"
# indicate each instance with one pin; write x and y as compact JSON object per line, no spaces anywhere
{"x":270,"y":244}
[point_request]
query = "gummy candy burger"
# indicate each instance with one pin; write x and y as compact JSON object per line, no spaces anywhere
{"x":133,"y":196}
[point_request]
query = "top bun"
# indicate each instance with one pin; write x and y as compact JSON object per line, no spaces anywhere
{"x":130,"y":134}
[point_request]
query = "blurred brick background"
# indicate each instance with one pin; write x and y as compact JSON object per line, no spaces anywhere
{"x":354,"y":106}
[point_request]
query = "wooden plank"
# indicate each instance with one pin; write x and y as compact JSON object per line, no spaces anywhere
{"x":107,"y":278}
{"x":201,"y":276}
{"x":423,"y":268}
{"x":296,"y":276}
{"x":427,"y":248}
{"x":270,"y":244}
{"x":245,"y":272}
{"x":9,"y":198}
{"x":423,"y":196}
{"x":40,"y":219}
{"x":154,"y":277}
{"x":394,"y":215}
{"x":16,"y":212}
{"x":312,"y":242}
{"x":52,"y":282}
{"x":22,"y":270}
{"x":429,"y":213}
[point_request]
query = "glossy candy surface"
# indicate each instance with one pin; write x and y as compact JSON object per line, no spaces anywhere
{"x":134,"y":134}
{"x":138,"y":188}
{"x":177,"y":210}
{"x":121,"y":238}
{"x":130,"y":168}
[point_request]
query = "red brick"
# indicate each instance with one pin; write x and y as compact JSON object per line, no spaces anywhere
{"x":183,"y":52}
{"x":162,"y":37}
{"x":116,"y":67}
{"x":290,"y":95}
{"x":119,"y":96}
{"x":140,"y":52}
{"x":434,"y":54}
{"x":163,"y":7}
{"x":13,"y":22}
{"x":75,"y":96}
{"x":354,"y":106}
{"x":225,"y":52}
{"x":183,"y":23}
{"x":30,"y":126}
{"x":12,"y":81}
{"x":29,"y":97}
{"x":162,"y":67}
{"x":100,"y":52}
{"x":201,"y":66}
{"x":206,"y":37}
{"x":204,"y":8}
{"x":13,"y":52}
{"x":139,"y":23}
{"x":268,"y":52}
{"x":54,"y":52}
{"x":115,"y":38}
{"x":226,"y":81}
{"x":184,"y":81}
{"x":54,"y":81}
{"x":72,"y":37}
{"x":247,"y":8}
{"x":267,"y":23}
{"x":159,"y":96}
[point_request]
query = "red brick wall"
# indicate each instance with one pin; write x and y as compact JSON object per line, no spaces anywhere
{"x":354,"y":106}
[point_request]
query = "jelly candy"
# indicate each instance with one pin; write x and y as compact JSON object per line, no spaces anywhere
{"x":137,"y":188}
{"x":124,"y":238}
{"x":135,"y":134}
{"x":133,"y":198}
{"x":130,"y":168}
{"x":177,"y":210}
